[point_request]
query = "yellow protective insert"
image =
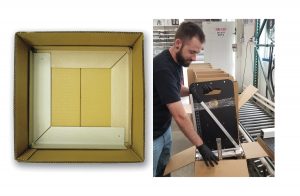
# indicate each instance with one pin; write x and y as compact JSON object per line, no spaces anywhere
{"x":95,"y":97}
{"x":65,"y":97}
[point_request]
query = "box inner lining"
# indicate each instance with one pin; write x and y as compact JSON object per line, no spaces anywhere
{"x":78,"y":100}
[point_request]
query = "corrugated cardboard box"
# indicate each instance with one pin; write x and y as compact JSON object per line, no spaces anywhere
{"x":79,"y":97}
{"x":226,"y":167}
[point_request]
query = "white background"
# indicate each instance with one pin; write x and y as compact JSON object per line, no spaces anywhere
{"x":136,"y":179}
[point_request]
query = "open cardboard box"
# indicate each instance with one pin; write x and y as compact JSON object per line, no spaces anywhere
{"x":226,"y":167}
{"x":79,"y":97}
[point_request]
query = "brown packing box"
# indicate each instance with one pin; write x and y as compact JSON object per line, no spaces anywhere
{"x":227,"y":167}
{"x":27,"y":43}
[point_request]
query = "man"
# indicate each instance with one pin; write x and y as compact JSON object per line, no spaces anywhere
{"x":167,"y":90}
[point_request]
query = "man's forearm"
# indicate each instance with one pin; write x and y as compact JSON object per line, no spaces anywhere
{"x":188,"y":130}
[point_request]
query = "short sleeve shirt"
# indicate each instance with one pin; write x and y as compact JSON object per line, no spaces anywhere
{"x":167,"y":79}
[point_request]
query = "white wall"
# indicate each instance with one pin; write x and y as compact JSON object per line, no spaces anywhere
{"x":218,"y":45}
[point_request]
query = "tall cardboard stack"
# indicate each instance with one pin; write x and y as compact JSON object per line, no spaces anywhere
{"x":203,"y":72}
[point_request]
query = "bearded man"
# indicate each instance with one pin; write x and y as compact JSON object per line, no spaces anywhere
{"x":168,"y":89}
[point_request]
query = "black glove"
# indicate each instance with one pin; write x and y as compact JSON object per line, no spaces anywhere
{"x":207,"y":155}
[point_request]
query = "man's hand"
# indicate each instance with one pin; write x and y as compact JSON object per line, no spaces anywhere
{"x":207,"y":155}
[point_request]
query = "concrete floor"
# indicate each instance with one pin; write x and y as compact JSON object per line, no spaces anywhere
{"x":180,"y":143}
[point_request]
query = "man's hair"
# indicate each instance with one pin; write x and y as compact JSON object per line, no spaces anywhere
{"x":188,"y":30}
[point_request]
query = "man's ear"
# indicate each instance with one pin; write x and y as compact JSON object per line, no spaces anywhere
{"x":178,"y":44}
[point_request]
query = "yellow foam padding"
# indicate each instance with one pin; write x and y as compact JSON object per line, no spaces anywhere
{"x":65,"y":97}
{"x":95,"y":97}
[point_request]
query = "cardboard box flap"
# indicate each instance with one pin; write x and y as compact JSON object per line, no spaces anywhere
{"x":246,"y":95}
{"x":253,"y":150}
{"x":138,"y":111}
{"x":180,"y":160}
{"x":80,"y":38}
{"x":84,"y":156}
{"x":200,"y":65}
{"x":21,"y":96}
{"x":207,"y":79}
{"x":225,"y":168}
{"x":210,"y":75}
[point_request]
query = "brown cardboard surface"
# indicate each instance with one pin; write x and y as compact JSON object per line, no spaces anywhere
{"x":208,"y":75}
{"x":65,"y":97}
{"x":95,"y":97}
{"x":25,"y":41}
{"x":225,"y":168}
{"x":138,"y":126}
{"x":191,"y":76}
{"x":180,"y":160}
{"x":193,"y":70}
{"x":21,"y":96}
{"x":253,"y":150}
{"x":213,"y":79}
{"x":246,"y":95}
{"x":27,"y":154}
{"x":208,"y":70}
{"x":200,"y":65}
{"x":80,"y":38}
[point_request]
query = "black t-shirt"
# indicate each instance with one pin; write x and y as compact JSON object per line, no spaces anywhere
{"x":167,"y":79}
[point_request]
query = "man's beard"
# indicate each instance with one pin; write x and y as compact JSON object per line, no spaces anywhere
{"x":181,"y":60}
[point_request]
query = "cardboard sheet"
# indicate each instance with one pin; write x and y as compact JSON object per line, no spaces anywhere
{"x":225,"y":168}
{"x":65,"y":97}
{"x":253,"y":150}
{"x":246,"y":95}
{"x":180,"y":160}
{"x":95,"y":97}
